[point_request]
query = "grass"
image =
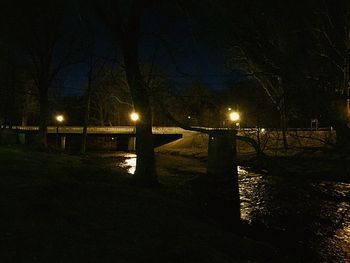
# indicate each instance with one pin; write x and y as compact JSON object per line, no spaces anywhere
{"x":60,"y":208}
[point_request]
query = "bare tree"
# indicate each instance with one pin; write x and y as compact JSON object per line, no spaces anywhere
{"x":110,"y":99}
{"x":330,"y":31}
{"x":42,"y":34}
{"x":96,"y":70}
{"x":297,"y":48}
{"x":123,"y":19}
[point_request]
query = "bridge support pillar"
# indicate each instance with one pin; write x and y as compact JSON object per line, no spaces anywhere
{"x":132,"y":144}
{"x":63,"y":143}
{"x":22,"y":138}
{"x":222,"y":175}
{"x":8,"y":136}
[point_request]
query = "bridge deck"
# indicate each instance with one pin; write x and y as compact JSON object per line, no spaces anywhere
{"x":105,"y":130}
{"x":131,"y":129}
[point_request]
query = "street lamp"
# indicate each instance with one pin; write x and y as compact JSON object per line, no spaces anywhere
{"x":59,"y":119}
{"x":134,"y":116}
{"x":234,"y":116}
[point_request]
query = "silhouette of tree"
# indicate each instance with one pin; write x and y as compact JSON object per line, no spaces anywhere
{"x":39,"y":32}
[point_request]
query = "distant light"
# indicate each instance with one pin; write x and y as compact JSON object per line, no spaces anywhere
{"x":234,"y":116}
{"x":229,"y":109}
{"x":59,"y":118}
{"x":262,"y":130}
{"x":188,"y":117}
{"x":134,"y":116}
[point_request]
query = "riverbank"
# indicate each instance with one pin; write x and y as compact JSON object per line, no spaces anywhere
{"x":63,"y":208}
{"x":318,"y":167}
{"x":305,"y":218}
{"x":302,"y":163}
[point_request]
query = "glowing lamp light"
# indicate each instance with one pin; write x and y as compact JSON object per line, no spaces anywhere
{"x":134,"y":116}
{"x":234,"y":116}
{"x":59,"y":118}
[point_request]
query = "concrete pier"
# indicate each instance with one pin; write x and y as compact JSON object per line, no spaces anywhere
{"x":132,"y":144}
{"x":63,"y":143}
{"x":223,"y":175}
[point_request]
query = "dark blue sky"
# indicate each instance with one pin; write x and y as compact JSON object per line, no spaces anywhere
{"x":200,"y":63}
{"x":177,"y":42}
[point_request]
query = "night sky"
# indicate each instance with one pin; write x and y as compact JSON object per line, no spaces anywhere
{"x":181,"y":54}
{"x":224,"y":137}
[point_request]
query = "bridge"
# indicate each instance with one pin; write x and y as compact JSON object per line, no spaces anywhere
{"x":129,"y":130}
{"x":103,"y":138}
{"x":108,"y":130}
{"x":123,"y":137}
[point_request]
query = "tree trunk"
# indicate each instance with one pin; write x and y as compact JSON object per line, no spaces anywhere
{"x":341,"y":126}
{"x":102,"y":122}
{"x":86,"y":116}
{"x":284,"y":127}
{"x":258,"y":129}
{"x":145,"y":166}
{"x":282,"y":109}
{"x":43,"y":118}
{"x":13,"y":94}
{"x":343,"y":137}
{"x":343,"y":111}
{"x":145,"y":173}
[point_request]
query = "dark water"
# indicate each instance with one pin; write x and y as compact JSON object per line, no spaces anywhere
{"x":311,"y":217}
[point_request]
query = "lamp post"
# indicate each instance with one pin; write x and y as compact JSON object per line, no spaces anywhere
{"x":234,"y":116}
{"x":134,"y":117}
{"x":59,"y":119}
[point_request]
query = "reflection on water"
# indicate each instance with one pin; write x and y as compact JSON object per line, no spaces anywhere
{"x":344,"y":237}
{"x":311,"y":214}
{"x":314,"y":214}
{"x":241,"y":170}
{"x":340,"y":239}
{"x":248,"y":182}
{"x":128,"y":162}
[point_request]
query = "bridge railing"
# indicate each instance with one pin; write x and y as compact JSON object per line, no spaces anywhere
{"x":104,"y":130}
{"x":155,"y":130}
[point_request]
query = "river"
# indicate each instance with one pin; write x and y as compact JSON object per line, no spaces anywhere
{"x":311,"y":217}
